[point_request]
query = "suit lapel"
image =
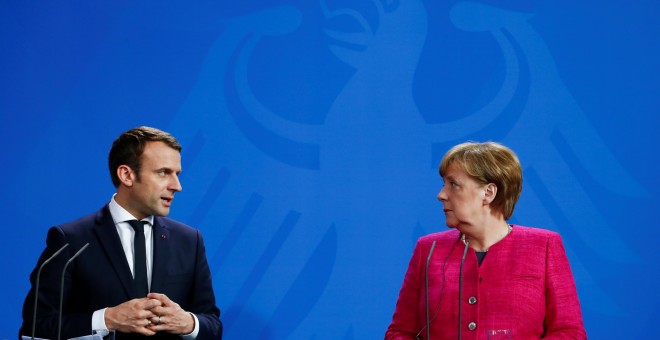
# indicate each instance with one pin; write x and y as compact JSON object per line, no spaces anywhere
{"x":161,"y":242}
{"x":106,"y":231}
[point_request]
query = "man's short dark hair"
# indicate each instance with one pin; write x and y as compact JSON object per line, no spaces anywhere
{"x":127,"y":149}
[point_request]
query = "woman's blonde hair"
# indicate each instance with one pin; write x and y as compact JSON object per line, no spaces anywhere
{"x":486,"y":163}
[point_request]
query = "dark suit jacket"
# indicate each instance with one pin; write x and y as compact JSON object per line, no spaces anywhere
{"x":100,"y":277}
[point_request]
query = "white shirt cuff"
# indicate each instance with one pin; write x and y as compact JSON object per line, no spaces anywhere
{"x":98,"y":322}
{"x":193,"y":334}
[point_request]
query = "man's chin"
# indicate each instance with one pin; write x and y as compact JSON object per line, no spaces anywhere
{"x":162,"y":212}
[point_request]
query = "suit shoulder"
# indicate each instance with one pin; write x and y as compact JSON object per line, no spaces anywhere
{"x":87,"y":221}
{"x":536,"y":234}
{"x":442,"y":237}
{"x":175,"y":226}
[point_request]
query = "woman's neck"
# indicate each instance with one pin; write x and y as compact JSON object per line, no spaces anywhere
{"x":481,"y":239}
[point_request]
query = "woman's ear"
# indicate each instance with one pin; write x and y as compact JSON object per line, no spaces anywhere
{"x":490,"y":191}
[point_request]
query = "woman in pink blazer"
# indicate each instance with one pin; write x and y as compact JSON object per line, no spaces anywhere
{"x":516,"y":281}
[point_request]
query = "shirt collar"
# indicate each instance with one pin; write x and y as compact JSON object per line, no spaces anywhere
{"x":119,"y":214}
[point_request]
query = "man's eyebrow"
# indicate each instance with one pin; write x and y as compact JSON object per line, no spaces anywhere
{"x":167,"y":169}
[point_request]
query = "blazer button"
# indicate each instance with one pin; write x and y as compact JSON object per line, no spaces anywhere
{"x":472,"y":326}
{"x":472,"y":300}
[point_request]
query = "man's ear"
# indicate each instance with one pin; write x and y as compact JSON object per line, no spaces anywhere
{"x":490,"y":191}
{"x":126,"y":175}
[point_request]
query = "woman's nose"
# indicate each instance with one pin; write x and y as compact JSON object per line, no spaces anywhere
{"x":441,"y":195}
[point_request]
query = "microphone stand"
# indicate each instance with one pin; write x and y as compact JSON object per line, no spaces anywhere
{"x":36,"y":289}
{"x":59,"y":319}
{"x":460,"y":289}
{"x":428,"y":322}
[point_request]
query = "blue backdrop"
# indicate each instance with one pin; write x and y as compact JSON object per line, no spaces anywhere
{"x":312,"y":131}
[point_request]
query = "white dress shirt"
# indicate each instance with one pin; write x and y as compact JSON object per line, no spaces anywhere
{"x":126,"y":234}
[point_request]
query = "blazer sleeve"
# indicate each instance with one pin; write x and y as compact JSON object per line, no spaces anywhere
{"x":203,"y":300}
{"x":563,"y":319}
{"x":404,"y":321}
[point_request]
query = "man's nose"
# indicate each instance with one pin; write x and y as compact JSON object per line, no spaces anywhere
{"x":175,"y":184}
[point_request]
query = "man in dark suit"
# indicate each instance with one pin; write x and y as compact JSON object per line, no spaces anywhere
{"x":158,"y":284}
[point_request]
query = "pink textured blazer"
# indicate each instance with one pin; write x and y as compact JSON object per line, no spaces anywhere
{"x":524,"y":284}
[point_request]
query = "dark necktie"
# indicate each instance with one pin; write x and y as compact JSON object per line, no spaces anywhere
{"x":140,"y":259}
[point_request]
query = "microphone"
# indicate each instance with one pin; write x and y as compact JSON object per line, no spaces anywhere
{"x":426,"y":280}
{"x":59,"y":318}
{"x":460,"y":288}
{"x":36,"y":288}
{"x":428,"y":322}
{"x":442,"y":288}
